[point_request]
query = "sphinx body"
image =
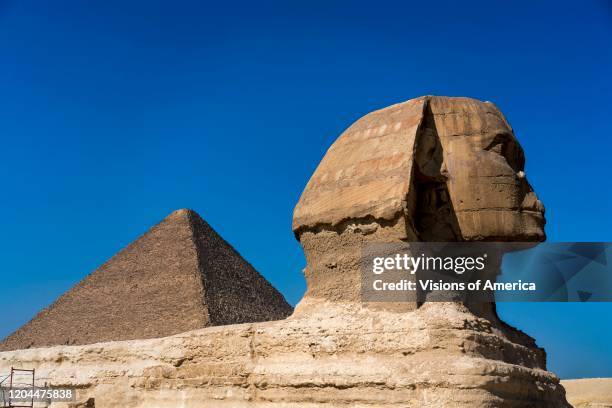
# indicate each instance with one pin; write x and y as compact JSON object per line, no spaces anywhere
{"x":429,"y":169}
{"x":336,"y":355}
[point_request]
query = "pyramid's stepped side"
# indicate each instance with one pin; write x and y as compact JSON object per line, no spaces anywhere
{"x":179,"y":276}
{"x":234,"y":291}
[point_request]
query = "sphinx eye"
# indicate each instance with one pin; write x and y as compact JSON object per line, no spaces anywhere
{"x":498,"y":148}
{"x":499,"y":145}
{"x":505,"y":145}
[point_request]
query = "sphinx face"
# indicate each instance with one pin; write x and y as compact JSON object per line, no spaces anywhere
{"x":484,"y":166}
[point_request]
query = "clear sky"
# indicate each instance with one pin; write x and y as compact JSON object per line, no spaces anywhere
{"x":115,"y":113}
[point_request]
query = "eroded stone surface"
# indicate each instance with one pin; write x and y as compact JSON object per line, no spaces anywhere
{"x":338,"y":355}
{"x":366,"y":172}
{"x":456,"y":155}
{"x":429,"y":169}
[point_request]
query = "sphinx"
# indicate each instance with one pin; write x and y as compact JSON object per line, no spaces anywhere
{"x":430,"y":169}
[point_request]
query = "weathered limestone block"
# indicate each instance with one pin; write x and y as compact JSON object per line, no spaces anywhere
{"x":439,"y":355}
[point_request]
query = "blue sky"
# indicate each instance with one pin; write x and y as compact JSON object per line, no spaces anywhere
{"x":115,"y":113}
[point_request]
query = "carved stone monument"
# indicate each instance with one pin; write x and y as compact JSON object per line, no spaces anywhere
{"x":429,"y":169}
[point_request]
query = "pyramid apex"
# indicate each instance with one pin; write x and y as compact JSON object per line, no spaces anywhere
{"x":182,"y":213}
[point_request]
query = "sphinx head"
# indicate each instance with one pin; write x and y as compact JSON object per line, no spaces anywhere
{"x":452,"y":167}
{"x":429,"y":169}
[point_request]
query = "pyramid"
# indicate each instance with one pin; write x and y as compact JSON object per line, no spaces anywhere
{"x":179,"y":276}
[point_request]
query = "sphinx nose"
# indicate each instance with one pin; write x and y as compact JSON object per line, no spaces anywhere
{"x":532,"y":203}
